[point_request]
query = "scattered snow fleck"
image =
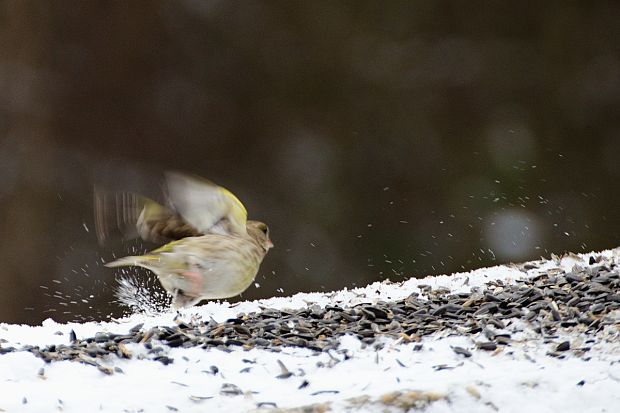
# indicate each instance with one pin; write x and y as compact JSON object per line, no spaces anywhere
{"x":138,"y":294}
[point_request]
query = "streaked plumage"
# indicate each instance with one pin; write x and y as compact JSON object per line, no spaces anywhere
{"x":215,"y":251}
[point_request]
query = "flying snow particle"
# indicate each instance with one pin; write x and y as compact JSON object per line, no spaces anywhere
{"x":140,"y":295}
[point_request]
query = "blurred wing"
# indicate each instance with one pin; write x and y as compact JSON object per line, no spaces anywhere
{"x":205,"y":205}
{"x":130,"y":215}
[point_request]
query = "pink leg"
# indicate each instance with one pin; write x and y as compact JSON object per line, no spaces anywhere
{"x":195,"y":282}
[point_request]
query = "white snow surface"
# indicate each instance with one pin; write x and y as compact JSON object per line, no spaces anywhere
{"x":521,"y":377}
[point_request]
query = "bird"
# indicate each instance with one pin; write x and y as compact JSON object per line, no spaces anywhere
{"x":211,"y":250}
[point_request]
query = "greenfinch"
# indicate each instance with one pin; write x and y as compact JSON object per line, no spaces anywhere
{"x":212,"y":250}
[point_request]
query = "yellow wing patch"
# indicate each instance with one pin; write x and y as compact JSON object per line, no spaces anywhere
{"x":168,"y":247}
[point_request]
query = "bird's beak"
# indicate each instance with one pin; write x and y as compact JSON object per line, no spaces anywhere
{"x":269,"y":244}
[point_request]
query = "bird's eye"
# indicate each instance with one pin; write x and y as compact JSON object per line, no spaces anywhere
{"x":264,"y":229}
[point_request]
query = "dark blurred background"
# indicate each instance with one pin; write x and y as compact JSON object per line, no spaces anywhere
{"x":378,"y":139}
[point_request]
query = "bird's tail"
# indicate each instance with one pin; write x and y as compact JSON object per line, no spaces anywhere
{"x":145,"y":261}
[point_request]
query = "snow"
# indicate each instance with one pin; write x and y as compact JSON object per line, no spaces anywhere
{"x":394,"y":376}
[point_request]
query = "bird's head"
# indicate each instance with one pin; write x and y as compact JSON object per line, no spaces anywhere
{"x":259,"y":231}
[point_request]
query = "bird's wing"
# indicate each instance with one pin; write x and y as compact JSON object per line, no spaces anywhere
{"x":208,"y":207}
{"x":131,"y":215}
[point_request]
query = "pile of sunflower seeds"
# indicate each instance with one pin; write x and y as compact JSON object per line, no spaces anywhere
{"x":585,"y":300}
